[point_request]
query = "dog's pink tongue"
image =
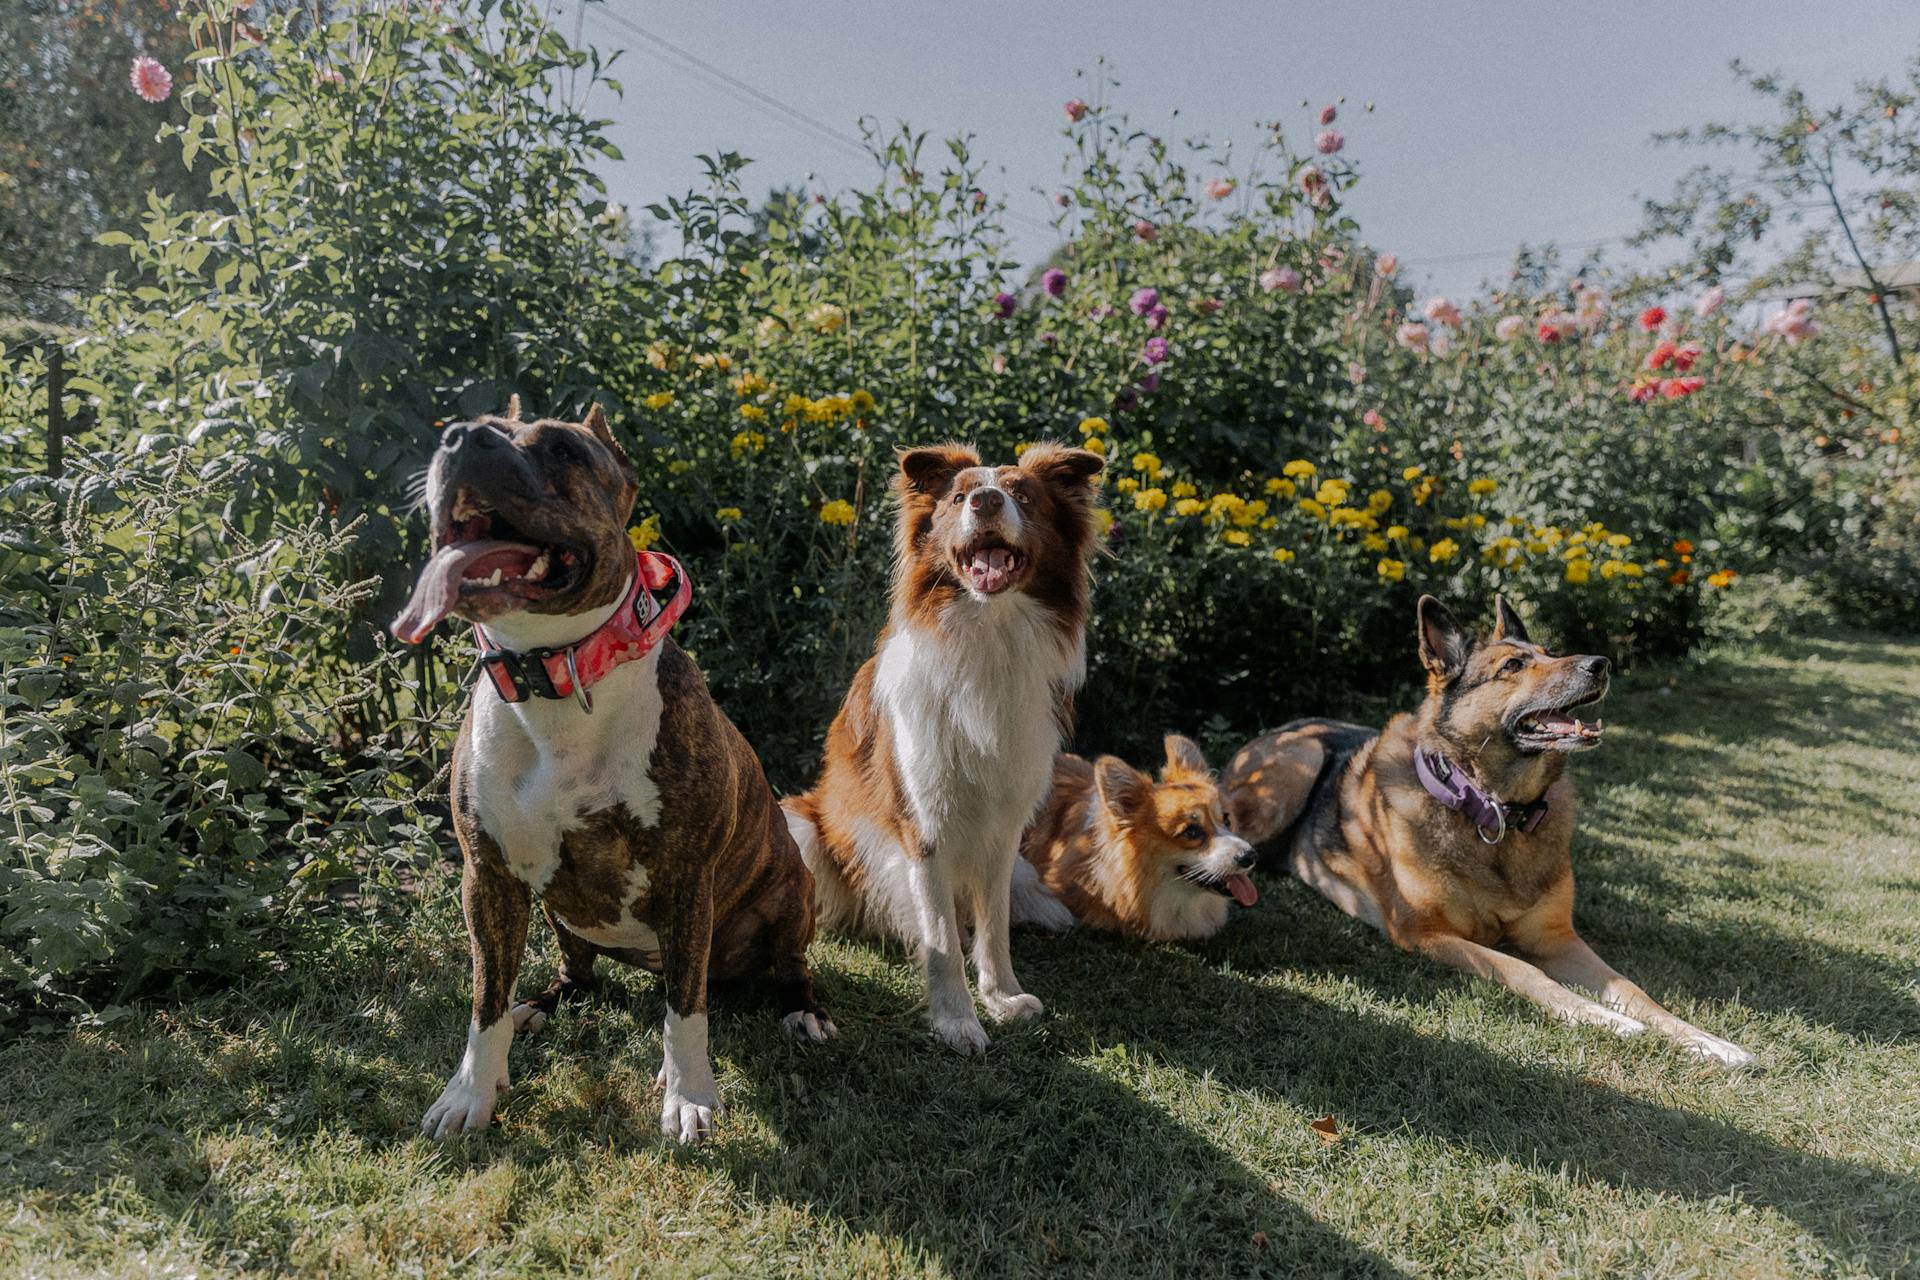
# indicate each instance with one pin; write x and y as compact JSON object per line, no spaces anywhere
{"x":991,"y":570}
{"x":438,"y":588}
{"x":1241,"y":887}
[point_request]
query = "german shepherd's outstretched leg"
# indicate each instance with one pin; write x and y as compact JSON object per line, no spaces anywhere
{"x":1516,"y":974}
{"x":1571,"y":960}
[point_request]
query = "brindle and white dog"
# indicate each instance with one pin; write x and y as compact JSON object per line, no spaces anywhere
{"x":634,"y":808}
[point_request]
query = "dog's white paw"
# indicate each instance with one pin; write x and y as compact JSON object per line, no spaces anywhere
{"x":465,"y":1105}
{"x":687,"y":1112}
{"x":1714,"y":1049}
{"x":962,"y":1035}
{"x":808,"y":1027}
{"x":1012,"y":1008}
{"x":528,"y":1018}
{"x":1611,"y":1020}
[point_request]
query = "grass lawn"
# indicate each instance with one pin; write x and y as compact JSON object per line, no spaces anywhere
{"x":1749,"y":852}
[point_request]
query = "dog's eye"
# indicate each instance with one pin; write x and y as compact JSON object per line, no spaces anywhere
{"x":958,"y":497}
{"x":1022,"y":497}
{"x":1512,"y":665}
{"x":1192,"y":831}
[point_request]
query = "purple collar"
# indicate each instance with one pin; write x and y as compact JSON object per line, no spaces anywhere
{"x":1450,"y":785}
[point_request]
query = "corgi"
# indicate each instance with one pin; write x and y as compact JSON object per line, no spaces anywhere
{"x":1157,"y":860}
{"x":941,"y":753}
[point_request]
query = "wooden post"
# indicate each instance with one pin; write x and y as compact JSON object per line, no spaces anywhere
{"x":56,"y":408}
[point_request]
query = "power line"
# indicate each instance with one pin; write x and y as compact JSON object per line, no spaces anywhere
{"x":742,"y":91}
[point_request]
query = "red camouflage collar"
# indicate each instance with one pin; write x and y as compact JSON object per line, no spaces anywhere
{"x":634,"y":630}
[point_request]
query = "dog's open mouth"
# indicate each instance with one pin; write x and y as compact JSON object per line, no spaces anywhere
{"x":1237,"y":886}
{"x":988,"y":564}
{"x":484,"y":561}
{"x":1558,"y":728}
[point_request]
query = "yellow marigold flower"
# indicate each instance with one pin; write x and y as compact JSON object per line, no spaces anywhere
{"x":1535,"y":547}
{"x":714,"y":360}
{"x":1482,"y":487}
{"x":679,"y":467}
{"x":1455,"y":523}
{"x":1299,"y":469}
{"x":1443,"y":551}
{"x":1181,"y":489}
{"x":1476,"y":521}
{"x":748,"y":442}
{"x":1283,"y":555}
{"x":748,"y":385}
{"x":839,"y":511}
{"x":1103,"y":519}
{"x":1147,"y":465}
{"x":1410,"y":474}
{"x":1618,"y":539}
{"x":1631,"y":570}
{"x":1422,"y":491}
{"x":826,"y":317}
{"x":1332,"y":493}
{"x":660,"y":355}
{"x":1723,"y":578}
{"x":1379,"y":500}
{"x":1094,"y":444}
{"x":1577,"y":540}
{"x":1127,"y":484}
{"x":1660,"y":563}
{"x":1610,"y":569}
{"x":1022,"y":447}
{"x":1189,"y":507}
{"x":1578,"y":571}
{"x":1247,"y":514}
{"x":727,"y":514}
{"x":1280,"y":487}
{"x":645,"y":534}
{"x":1150,"y":499}
{"x":658,"y":400}
{"x":753,"y":413}
{"x":1396,"y":531}
{"x":797,"y":405}
{"x":1391,"y":570}
{"x":1237,"y":537}
{"x":1313,"y":508}
{"x":1578,"y":553}
{"x":1224,"y":503}
{"x":1270,"y":522}
{"x":1352,"y":518}
{"x":863,"y":402}
{"x":1374,"y":542}
{"x":1093,"y":426}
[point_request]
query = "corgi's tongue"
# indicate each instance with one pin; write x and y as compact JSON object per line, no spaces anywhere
{"x":437,"y":590}
{"x":991,"y":570}
{"x":1241,"y":887}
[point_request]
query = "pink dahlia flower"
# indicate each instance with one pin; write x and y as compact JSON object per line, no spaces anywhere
{"x":1143,"y":301}
{"x":150,"y":80}
{"x":1156,"y":351}
{"x":1329,"y":142}
{"x":1280,"y":280}
{"x":1387,"y":265}
{"x":1054,"y":281}
{"x":1709,"y":302}
{"x":1508,"y":328}
{"x":1145,"y":230}
{"x":1413,"y":335}
{"x":1443,"y":311}
{"x":1328,"y":114}
{"x":1076,"y":110}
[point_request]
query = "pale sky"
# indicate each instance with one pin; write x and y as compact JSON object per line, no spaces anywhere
{"x":1493,"y":123}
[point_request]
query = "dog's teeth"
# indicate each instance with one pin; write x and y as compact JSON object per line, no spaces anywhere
{"x":538,"y":569}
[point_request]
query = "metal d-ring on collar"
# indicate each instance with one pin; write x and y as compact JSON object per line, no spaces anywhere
{"x":580,"y":693}
{"x":1449,"y":785}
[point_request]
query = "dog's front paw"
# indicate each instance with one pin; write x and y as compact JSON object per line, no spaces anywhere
{"x":1017,"y":1007}
{"x":1714,"y":1049}
{"x":962,"y":1035}
{"x":809,"y":1026}
{"x":686,"y":1113}
{"x":465,"y":1105}
{"x":528,"y":1018}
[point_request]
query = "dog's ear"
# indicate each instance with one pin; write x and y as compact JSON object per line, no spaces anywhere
{"x":930,"y":469}
{"x":1058,"y":464}
{"x":1506,"y":622}
{"x":1123,"y":788}
{"x":513,"y":407}
{"x":596,"y":423}
{"x":1184,"y":758}
{"x":1443,"y":644}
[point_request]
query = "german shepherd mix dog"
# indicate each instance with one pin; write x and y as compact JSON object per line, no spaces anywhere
{"x":942,"y":750}
{"x":596,"y":771}
{"x":1450,"y":831}
{"x":1123,"y":852}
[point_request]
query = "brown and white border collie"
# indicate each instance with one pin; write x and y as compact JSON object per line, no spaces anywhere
{"x":1153,"y":859}
{"x":941,"y":753}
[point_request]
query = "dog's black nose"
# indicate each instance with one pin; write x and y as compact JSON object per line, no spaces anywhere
{"x":987,"y":502}
{"x":1595,"y":667}
{"x":1247,"y":857}
{"x":474,"y":435}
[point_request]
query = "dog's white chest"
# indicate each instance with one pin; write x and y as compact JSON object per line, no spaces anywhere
{"x":536,"y":768}
{"x":971,"y":706}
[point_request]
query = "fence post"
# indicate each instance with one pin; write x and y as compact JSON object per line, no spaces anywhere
{"x":56,"y":408}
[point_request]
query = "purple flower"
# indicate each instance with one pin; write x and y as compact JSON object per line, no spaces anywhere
{"x":1150,"y":384}
{"x":1157,"y":317}
{"x":1329,"y":141}
{"x":1099,"y":312}
{"x":1143,"y":301}
{"x":1155,"y":351}
{"x":1127,"y":401}
{"x":1004,"y":303}
{"x":1049,"y":338}
{"x":1054,"y":282}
